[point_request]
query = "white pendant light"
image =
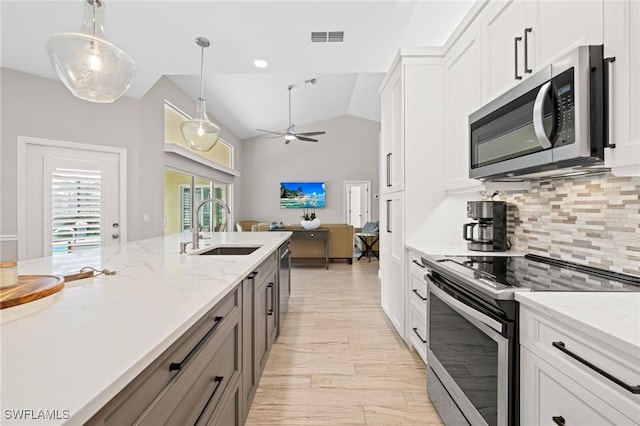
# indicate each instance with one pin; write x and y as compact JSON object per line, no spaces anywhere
{"x":199,"y":133}
{"x":91,"y":67}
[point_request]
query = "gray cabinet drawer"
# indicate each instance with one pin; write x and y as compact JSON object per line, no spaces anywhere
{"x":311,"y":235}
{"x":195,"y":394}
{"x":129,"y":405}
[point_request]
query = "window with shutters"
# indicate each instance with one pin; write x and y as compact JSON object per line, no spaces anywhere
{"x":76,"y":213}
{"x":204,"y":214}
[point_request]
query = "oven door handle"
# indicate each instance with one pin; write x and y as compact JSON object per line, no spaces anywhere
{"x":461,"y":307}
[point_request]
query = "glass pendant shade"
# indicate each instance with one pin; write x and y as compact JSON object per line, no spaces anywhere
{"x":92,"y":68}
{"x":199,"y":133}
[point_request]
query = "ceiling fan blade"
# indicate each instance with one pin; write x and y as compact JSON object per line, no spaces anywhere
{"x":311,"y":133}
{"x":302,"y":138}
{"x":269,"y":131}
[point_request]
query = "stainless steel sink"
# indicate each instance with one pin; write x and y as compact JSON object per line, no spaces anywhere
{"x":229,"y":251}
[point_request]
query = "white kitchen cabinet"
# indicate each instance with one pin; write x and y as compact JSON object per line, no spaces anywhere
{"x":622,"y":41}
{"x":550,"y":397}
{"x":392,"y":133}
{"x":417,"y":326}
{"x":410,"y":157}
{"x":462,"y":97}
{"x":558,"y":378}
{"x":392,"y":258}
{"x":520,"y":37}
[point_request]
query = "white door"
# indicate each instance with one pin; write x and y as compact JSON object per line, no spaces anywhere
{"x":357,"y":202}
{"x":70,"y":197}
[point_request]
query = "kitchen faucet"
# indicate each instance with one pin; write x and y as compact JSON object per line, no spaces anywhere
{"x":195,"y":229}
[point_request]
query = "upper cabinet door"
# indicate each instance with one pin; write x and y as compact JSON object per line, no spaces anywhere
{"x":462,"y":97}
{"x":560,"y":26}
{"x":503,"y":46}
{"x":520,"y":37}
{"x":392,"y":134}
{"x":622,"y":42}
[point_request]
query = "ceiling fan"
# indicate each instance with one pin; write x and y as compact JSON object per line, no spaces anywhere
{"x":291,"y":133}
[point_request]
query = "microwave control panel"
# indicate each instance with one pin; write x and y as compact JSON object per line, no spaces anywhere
{"x":565,"y":108}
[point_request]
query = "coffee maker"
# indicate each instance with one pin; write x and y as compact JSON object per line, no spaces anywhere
{"x":489,"y":233}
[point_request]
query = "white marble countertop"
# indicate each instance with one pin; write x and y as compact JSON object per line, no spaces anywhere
{"x":74,"y":350}
{"x":454,"y":249}
{"x":613,"y":318}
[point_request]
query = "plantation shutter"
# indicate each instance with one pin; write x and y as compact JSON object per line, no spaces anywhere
{"x":76,"y":209}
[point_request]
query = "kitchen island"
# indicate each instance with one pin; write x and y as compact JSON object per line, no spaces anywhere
{"x":65,"y":356}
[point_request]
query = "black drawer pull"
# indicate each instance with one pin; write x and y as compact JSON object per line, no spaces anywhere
{"x":271,"y":310}
{"x":217,"y":380}
{"x":418,"y":263}
{"x":177,"y":366}
{"x":415,"y":330}
{"x":424,"y":299}
{"x":253,"y":275}
{"x":633,"y":389}
{"x":559,"y":420}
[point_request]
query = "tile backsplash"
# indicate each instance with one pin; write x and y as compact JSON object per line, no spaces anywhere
{"x":591,"y":220}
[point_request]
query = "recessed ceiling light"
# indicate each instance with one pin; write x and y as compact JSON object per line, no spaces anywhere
{"x":260,"y":63}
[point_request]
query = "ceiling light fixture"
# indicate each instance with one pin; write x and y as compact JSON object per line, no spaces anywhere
{"x":199,"y":133}
{"x":92,"y":68}
{"x":260,"y":63}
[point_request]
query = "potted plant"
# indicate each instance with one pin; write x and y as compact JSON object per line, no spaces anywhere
{"x":309,"y":219}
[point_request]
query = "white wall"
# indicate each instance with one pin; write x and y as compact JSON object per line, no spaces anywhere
{"x":349,"y":151}
{"x":44,"y":108}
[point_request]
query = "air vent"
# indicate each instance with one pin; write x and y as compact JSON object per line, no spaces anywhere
{"x":327,"y":36}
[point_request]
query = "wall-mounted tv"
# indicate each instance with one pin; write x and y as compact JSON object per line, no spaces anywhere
{"x":302,"y":195}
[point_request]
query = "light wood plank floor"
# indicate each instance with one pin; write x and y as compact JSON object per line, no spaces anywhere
{"x":338,"y":360}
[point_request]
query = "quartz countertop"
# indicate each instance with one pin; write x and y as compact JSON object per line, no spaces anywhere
{"x":454,"y":249}
{"x":611,"y":317}
{"x":71,"y":352}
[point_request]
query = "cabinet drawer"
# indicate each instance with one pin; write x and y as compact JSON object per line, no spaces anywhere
{"x":549,"y":397}
{"x":229,"y":412}
{"x":559,"y":344}
{"x":194,"y":393}
{"x":131,"y":402}
{"x":418,"y":330}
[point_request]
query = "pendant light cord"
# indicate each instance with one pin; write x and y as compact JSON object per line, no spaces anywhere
{"x":202,"y":72}
{"x":290,"y":87}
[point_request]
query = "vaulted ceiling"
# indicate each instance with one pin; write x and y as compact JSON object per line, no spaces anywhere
{"x":160,"y":36}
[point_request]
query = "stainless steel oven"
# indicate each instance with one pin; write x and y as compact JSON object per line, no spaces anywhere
{"x":473,"y":357}
{"x":471,"y":354}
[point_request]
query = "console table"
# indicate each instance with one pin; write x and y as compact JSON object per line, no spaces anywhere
{"x":313,"y":234}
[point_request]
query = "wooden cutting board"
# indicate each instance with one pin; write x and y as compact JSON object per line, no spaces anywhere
{"x":29,"y":288}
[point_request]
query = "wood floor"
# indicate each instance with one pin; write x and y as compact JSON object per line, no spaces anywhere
{"x":338,"y":360}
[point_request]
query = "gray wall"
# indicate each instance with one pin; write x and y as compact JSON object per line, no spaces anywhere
{"x":44,"y":108}
{"x":349,"y":151}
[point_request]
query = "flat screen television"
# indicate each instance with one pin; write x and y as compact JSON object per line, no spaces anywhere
{"x":302,"y":195}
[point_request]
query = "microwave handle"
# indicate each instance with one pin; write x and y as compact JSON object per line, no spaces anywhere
{"x":538,"y":115}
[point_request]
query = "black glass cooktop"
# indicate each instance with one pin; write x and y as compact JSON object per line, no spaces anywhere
{"x":538,"y":273}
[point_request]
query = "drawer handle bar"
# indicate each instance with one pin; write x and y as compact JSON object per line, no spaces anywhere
{"x":559,"y":420}
{"x":271,"y":310}
{"x":418,"y":263}
{"x":424,"y":299}
{"x":217,"y":380}
{"x":177,"y":366}
{"x":415,"y":330}
{"x":633,"y":389}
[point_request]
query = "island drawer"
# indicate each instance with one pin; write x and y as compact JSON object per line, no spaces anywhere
{"x":130,"y":403}
{"x":193,"y":396}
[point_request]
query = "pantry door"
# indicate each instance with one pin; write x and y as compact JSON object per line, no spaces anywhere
{"x":71,"y":197}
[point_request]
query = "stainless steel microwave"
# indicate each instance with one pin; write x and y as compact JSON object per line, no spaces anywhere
{"x":552,"y":123}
